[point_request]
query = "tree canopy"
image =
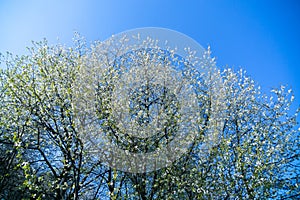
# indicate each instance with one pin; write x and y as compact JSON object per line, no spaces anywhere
{"x":47,"y":153}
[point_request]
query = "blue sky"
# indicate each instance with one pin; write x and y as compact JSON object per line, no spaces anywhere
{"x":263,"y":37}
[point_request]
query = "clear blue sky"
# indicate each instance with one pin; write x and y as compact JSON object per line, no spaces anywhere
{"x":262,"y":37}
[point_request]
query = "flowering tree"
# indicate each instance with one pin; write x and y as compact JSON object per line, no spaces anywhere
{"x":65,"y":110}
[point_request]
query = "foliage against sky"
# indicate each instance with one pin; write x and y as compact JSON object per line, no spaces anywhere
{"x":262,"y":37}
{"x":45,"y":154}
